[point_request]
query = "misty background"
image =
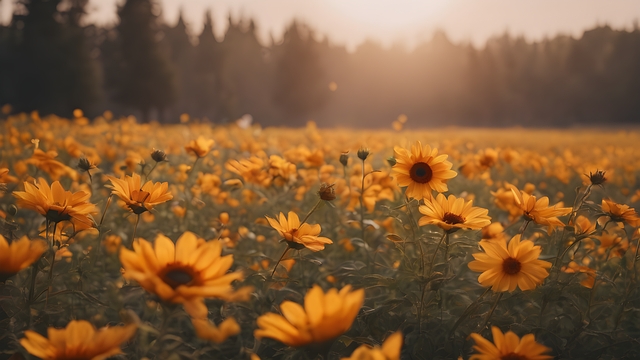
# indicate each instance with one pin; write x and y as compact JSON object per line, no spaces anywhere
{"x":53,"y":62}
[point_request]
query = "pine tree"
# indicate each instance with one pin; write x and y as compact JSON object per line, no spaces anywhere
{"x":144,"y":78}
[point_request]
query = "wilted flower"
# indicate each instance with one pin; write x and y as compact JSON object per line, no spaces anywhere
{"x":79,"y":340}
{"x":505,"y":268}
{"x":597,"y":178}
{"x":324,"y":317}
{"x":508,"y":347}
{"x":85,"y":164}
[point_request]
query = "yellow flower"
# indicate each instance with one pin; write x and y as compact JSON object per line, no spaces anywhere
{"x":139,"y":198}
{"x":573,"y":268}
{"x":324,"y":317}
{"x":186,"y":272}
{"x":422,"y":170}
{"x":56,"y":204}
{"x":18,"y":255}
{"x":495,"y":231}
{"x":218,"y":334}
{"x":112,"y":243}
{"x":299,"y":236}
{"x":390,"y":350}
{"x":200,"y":147}
{"x":505,"y":268}
{"x":508,"y":347}
{"x":453,"y":213}
{"x":252,"y":170}
{"x":538,"y":210}
{"x":79,"y":340}
{"x":620,"y":213}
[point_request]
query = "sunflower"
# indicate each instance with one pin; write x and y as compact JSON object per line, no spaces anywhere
{"x":390,"y":350}
{"x":324,"y":317}
{"x":422,"y":170}
{"x":299,"y":236}
{"x":508,"y":347}
{"x":79,"y":340}
{"x":186,"y":272}
{"x":453,"y":213}
{"x":620,"y":213}
{"x":504,"y":268}
{"x":139,"y":198}
{"x":200,"y":147}
{"x":18,"y":255}
{"x":538,"y":210}
{"x":56,"y":204}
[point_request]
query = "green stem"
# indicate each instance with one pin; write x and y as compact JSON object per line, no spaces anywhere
{"x":53,"y":260}
{"x":277,"y":263}
{"x":135,"y":227}
{"x":435,"y":253}
{"x":412,"y":224}
{"x":493,"y":308}
{"x":362,"y":202}
{"x":315,"y":207}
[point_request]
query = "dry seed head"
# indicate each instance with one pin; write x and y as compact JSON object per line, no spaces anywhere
{"x":326,"y":192}
{"x":363,"y":153}
{"x":597,"y":178}
{"x":85,"y":164}
{"x":158,"y":155}
{"x":344,"y":158}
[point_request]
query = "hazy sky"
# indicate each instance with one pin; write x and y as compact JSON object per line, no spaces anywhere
{"x":350,"y":22}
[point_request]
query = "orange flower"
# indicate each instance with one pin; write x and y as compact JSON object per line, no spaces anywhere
{"x":252,"y":170}
{"x":390,"y":350}
{"x":218,"y":334}
{"x":47,"y":163}
{"x":18,"y":255}
{"x":5,"y":178}
{"x":299,"y":236}
{"x":620,"y":213}
{"x":453,"y":213}
{"x":79,"y":340}
{"x":422,"y":170}
{"x":56,"y":204}
{"x":508,"y":347}
{"x":112,"y":243}
{"x":495,"y":231}
{"x":139,"y":198}
{"x":573,"y":268}
{"x":186,"y":272}
{"x":505,"y":268}
{"x":200,"y":147}
{"x":324,"y":317}
{"x":538,"y":210}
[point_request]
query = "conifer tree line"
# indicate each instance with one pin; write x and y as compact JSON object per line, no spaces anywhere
{"x":51,"y":61}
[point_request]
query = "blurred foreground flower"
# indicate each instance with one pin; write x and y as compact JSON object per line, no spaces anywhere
{"x":18,"y":255}
{"x":79,"y":340}
{"x":218,"y":334}
{"x":299,"y":236}
{"x":324,"y":317}
{"x":186,"y":272}
{"x":390,"y":350}
{"x":453,"y":213}
{"x":538,"y":210}
{"x":504,"y":268}
{"x":508,"y":347}
{"x":56,"y":204}
{"x":422,"y":170}
{"x":139,"y":198}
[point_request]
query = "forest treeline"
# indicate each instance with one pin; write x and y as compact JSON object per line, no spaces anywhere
{"x":51,"y":62}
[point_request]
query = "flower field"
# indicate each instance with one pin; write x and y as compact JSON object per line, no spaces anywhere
{"x":202,"y":241}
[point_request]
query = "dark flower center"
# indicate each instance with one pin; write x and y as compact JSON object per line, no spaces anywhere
{"x":177,"y":277}
{"x":511,"y":266}
{"x":56,"y":217}
{"x":514,"y":356}
{"x":452,"y":219}
{"x":421,"y":173}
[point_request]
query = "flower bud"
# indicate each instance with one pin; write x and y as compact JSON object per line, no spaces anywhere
{"x":158,"y":155}
{"x":344,"y":159}
{"x":363,"y":153}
